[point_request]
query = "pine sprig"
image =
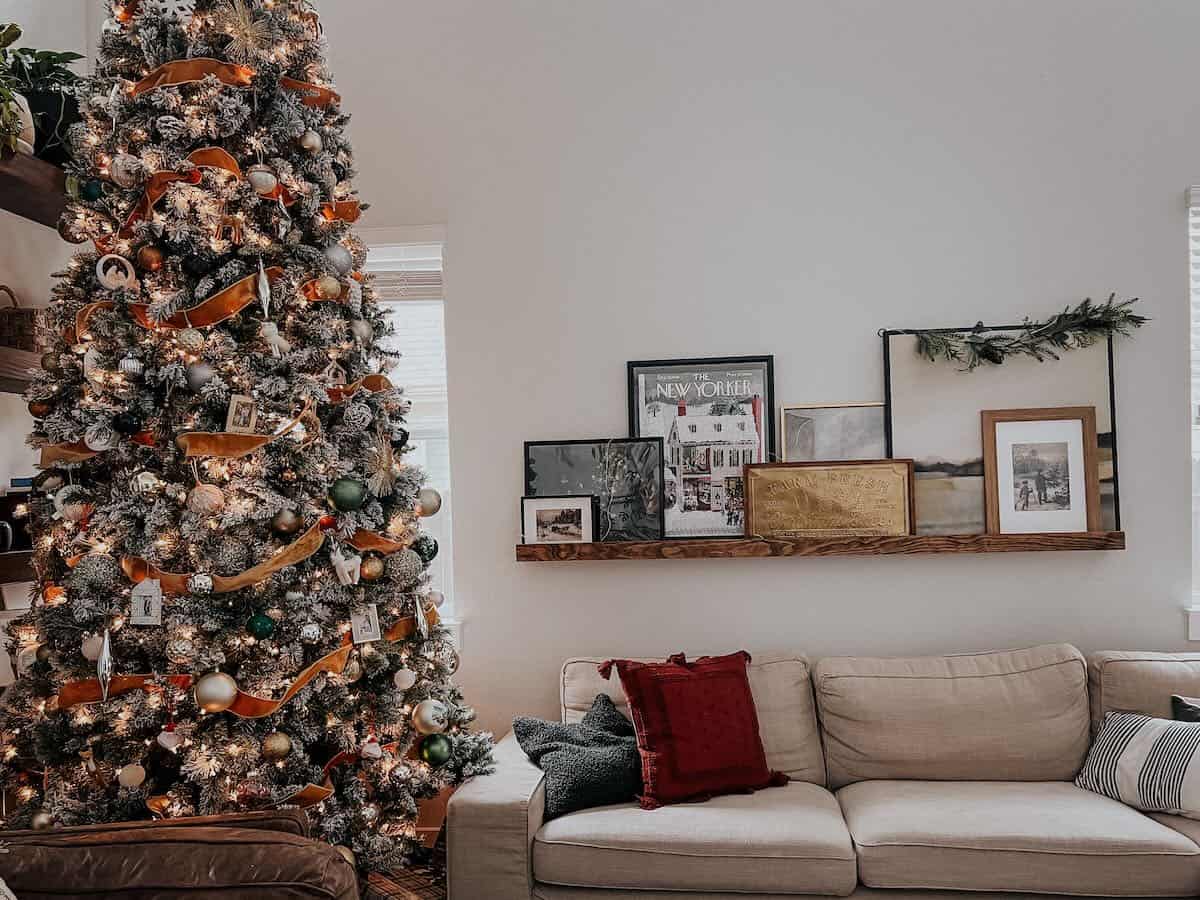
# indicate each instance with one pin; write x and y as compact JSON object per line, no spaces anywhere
{"x":1072,"y":329}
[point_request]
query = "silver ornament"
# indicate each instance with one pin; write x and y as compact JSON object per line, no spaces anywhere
{"x":406,"y":566}
{"x":362,"y":330}
{"x":263,"y":179}
{"x":181,"y":651}
{"x":132,"y":776}
{"x":145,"y":483}
{"x":215,"y":692}
{"x":104,"y":665}
{"x":340,"y":258}
{"x":431,"y":717}
{"x":131,"y":366}
{"x":263,"y":289}
{"x":191,"y":339}
{"x":310,"y":633}
{"x":116,"y":272}
{"x":199,"y":374}
{"x":205,"y":499}
{"x":429,"y":502}
{"x":200,"y":583}
{"x":100,"y":436}
{"x":404,"y":679}
{"x":91,"y":647}
{"x":169,"y":740}
{"x":125,"y":170}
{"x":311,"y":142}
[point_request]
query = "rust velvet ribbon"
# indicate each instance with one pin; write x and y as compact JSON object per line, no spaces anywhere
{"x":156,"y":187}
{"x":230,"y":445}
{"x":220,"y":306}
{"x":187,"y":71}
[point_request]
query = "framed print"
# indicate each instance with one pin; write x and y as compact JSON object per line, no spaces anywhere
{"x":932,"y":417}
{"x":811,"y":432}
{"x":1040,"y":470}
{"x":829,"y":499}
{"x":714,"y":417}
{"x":243,"y":414}
{"x":558,"y":520}
{"x":625,"y":475}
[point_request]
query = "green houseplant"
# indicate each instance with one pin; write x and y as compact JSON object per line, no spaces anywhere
{"x":46,"y":82}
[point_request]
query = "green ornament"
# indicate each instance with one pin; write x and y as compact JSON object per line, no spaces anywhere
{"x":425,"y":547}
{"x":261,"y":626}
{"x":436,"y":749}
{"x":91,"y":190}
{"x":348,"y":494}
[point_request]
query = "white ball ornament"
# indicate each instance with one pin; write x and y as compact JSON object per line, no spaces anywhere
{"x":169,"y":740}
{"x":91,"y":647}
{"x":362,"y":330}
{"x":100,"y":437}
{"x":199,"y":374}
{"x":116,"y":272}
{"x":311,"y":142}
{"x":263,"y":179}
{"x":125,"y":170}
{"x":215,"y":692}
{"x":404,"y":679}
{"x":132,"y":776}
{"x":340,"y":258}
{"x":191,"y":339}
{"x":431,"y":717}
{"x":205,"y":499}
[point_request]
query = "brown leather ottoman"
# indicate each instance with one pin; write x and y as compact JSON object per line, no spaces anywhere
{"x":260,"y":855}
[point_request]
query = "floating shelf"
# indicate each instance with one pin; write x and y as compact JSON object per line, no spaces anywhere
{"x":16,"y":565}
{"x":32,"y":188}
{"x":726,"y":548}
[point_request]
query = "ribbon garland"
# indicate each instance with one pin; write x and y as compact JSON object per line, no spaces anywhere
{"x":365,"y":541}
{"x":372,"y":384}
{"x":311,"y":95}
{"x":245,"y":705}
{"x":156,"y":186}
{"x":220,"y":306}
{"x":189,"y":71}
{"x":344,"y":210}
{"x":230,"y":445}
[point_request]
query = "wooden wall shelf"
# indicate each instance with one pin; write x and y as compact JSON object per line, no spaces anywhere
{"x":727,"y":548}
{"x":34,"y":189}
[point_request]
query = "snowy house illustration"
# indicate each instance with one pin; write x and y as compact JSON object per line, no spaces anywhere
{"x":706,"y":455}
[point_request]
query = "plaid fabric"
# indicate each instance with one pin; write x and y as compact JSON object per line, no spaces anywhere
{"x":423,"y":881}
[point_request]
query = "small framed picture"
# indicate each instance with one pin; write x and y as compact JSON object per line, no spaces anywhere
{"x":558,"y":520}
{"x":715,"y":416}
{"x":243,"y":414}
{"x":832,"y":431}
{"x":1040,"y":470}
{"x":364,"y":624}
{"x":625,"y":475}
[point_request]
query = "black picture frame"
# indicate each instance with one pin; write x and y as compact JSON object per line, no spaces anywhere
{"x":640,"y":516}
{"x":886,"y":335}
{"x":728,"y":488}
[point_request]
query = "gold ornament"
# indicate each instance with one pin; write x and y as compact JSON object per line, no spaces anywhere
{"x":205,"y":499}
{"x":191,"y":339}
{"x":381,"y":462}
{"x":372,"y":568}
{"x":429,"y":502}
{"x":276,"y":745}
{"x":215,"y":692}
{"x":328,"y":287}
{"x":249,"y":35}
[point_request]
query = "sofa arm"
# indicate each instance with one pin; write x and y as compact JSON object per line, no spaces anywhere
{"x":490,"y":827}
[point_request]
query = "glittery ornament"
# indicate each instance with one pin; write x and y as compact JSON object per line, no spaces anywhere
{"x":426,"y":546}
{"x":191,"y":339}
{"x":231,"y":556}
{"x":430,"y":716}
{"x":249,"y":33}
{"x":406,"y":567}
{"x":181,"y":651}
{"x":340,"y":258}
{"x":358,"y":416}
{"x":200,"y":583}
{"x":328,"y":287}
{"x":205,"y":499}
{"x":310,"y":633}
{"x":100,"y":436}
{"x":215,"y":692}
{"x":372,"y":567}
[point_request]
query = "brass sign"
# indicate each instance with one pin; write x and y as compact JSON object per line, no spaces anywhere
{"x":829,"y":499}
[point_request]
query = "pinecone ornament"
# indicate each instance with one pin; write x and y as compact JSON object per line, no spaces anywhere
{"x":358,"y":416}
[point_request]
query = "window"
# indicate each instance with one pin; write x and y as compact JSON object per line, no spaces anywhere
{"x":1194,"y":283}
{"x":408,"y":283}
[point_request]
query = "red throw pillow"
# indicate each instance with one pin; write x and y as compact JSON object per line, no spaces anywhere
{"x":697,"y":730}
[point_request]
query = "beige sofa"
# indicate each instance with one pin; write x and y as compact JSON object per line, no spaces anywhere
{"x":912,"y":779}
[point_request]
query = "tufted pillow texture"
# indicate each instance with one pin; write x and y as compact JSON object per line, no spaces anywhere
{"x":697,"y":729}
{"x":590,"y":763}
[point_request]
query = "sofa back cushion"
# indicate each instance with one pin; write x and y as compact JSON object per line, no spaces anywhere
{"x":1017,"y":715}
{"x":1140,"y":682}
{"x":783,"y":701}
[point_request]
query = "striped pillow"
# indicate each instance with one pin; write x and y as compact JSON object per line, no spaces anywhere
{"x":1149,"y":764}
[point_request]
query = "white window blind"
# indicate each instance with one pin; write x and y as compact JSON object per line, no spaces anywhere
{"x":408,"y":282}
{"x":1194,"y":283}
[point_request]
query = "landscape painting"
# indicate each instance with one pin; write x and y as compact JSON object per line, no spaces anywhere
{"x":933,"y":410}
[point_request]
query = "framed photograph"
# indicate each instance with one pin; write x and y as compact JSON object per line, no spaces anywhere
{"x":933,"y":418}
{"x":812,"y":432}
{"x":715,"y":416}
{"x":829,"y":499}
{"x":1040,"y":469}
{"x":243,"y":414}
{"x":558,"y":520}
{"x":625,"y":475}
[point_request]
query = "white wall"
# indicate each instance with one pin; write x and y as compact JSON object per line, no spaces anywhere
{"x":623,"y":180}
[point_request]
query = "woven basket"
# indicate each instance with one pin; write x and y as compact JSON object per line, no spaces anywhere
{"x":18,"y":326}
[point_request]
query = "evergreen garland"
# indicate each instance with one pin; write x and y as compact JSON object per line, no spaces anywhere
{"x":1073,"y":328}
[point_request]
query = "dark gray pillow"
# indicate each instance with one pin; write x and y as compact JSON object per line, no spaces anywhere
{"x":592,"y":763}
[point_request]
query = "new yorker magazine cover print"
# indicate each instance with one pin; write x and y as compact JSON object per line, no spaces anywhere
{"x":715,"y":418}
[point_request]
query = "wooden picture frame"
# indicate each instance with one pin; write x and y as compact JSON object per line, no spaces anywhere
{"x":1085,"y":455}
{"x":756,"y":527}
{"x":243,"y":415}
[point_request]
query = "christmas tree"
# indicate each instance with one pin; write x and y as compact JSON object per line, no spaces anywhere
{"x":233,"y":610}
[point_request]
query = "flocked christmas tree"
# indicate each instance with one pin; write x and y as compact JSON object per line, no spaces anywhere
{"x":233,"y":609}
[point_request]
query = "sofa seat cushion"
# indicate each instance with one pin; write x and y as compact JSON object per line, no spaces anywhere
{"x":1049,"y":837}
{"x":788,"y":840}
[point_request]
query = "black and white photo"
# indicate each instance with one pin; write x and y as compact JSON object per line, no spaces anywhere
{"x":625,"y":475}
{"x":243,"y":415}
{"x":558,"y":520}
{"x":715,"y":418}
